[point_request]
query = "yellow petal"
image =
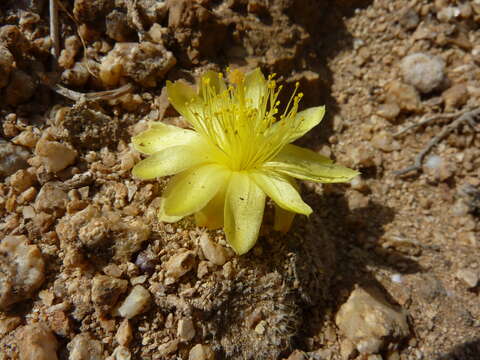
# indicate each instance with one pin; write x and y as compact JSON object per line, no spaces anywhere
{"x":191,"y":190}
{"x":255,"y":87}
{"x":283,"y":219}
{"x":306,"y":120}
{"x":305,"y":164}
{"x":303,"y":122}
{"x":160,"y":136}
{"x":211,"y":216}
{"x":170,"y":161}
{"x":162,"y":216}
{"x":214,"y":80}
{"x":280,"y":190}
{"x":182,"y":97}
{"x":244,"y":205}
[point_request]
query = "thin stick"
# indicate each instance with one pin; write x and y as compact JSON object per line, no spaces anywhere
{"x":100,"y":95}
{"x":467,"y":117}
{"x":426,"y":120}
{"x":54,"y":34}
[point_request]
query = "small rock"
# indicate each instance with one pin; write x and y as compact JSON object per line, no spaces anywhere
{"x":8,"y":324}
{"x":424,"y":71}
{"x":22,"y":180}
{"x":117,"y":27}
{"x":409,"y":19}
{"x":136,"y":302}
{"x":362,"y":156}
{"x":36,"y":342}
{"x":179,"y":264}
{"x":367,"y":320}
{"x":388,"y":111}
{"x":146,"y":261}
{"x":54,"y":156}
{"x":106,"y":290}
{"x":404,"y":95}
{"x":385,"y":142}
{"x":145,"y":62}
{"x":26,"y":138}
{"x":22,"y":270}
{"x":95,"y":233}
{"x":455,"y":97}
{"x":77,"y":76}
{"x":51,"y":199}
{"x":83,"y":347}
{"x":120,"y":353}
{"x":201,"y":352}
{"x":359,"y":184}
{"x":448,"y":13}
{"x":167,"y":348}
{"x":20,"y":89}
{"x":214,"y":252}
{"x":297,"y":355}
{"x":185,"y":329}
{"x":12,"y":158}
{"x":90,"y":10}
{"x":6,"y":65}
{"x":124,"y":333}
{"x":469,"y":277}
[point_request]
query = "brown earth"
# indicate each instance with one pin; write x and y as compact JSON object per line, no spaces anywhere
{"x":387,"y":267}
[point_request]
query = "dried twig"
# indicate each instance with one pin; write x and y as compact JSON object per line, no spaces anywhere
{"x":54,"y":34}
{"x":463,"y":117}
{"x":100,"y":95}
{"x":426,"y":120}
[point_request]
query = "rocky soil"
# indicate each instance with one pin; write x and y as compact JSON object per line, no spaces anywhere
{"x":387,"y":267}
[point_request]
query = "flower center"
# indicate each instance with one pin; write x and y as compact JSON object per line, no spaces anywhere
{"x":241,"y":121}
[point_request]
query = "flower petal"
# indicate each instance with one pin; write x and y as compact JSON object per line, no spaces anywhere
{"x":170,"y":161}
{"x":182,"y":97}
{"x":244,"y":205}
{"x":283,"y":219}
{"x":160,"y":136}
{"x":306,"y":164}
{"x":214,"y":80}
{"x":280,"y":190}
{"x":162,"y":216}
{"x":303,"y":122}
{"x":211,"y":216}
{"x":255,"y":87}
{"x":191,"y":190}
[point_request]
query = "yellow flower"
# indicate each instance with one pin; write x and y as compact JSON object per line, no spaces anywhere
{"x":237,"y":153}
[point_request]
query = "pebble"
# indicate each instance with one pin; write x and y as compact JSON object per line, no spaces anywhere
{"x":6,"y":65}
{"x":83,"y":347}
{"x":404,"y":95}
{"x":469,"y":277}
{"x":23,"y":179}
{"x":12,"y":158}
{"x":144,"y":62}
{"x":185,"y":329}
{"x":26,"y":138}
{"x":388,"y":111}
{"x":120,"y":353}
{"x":167,"y":348}
{"x":124,"y":333}
{"x":51,"y":199}
{"x":362,"y":155}
{"x":384,"y":141}
{"x":54,"y":155}
{"x":22,"y":270}
{"x":106,"y":290}
{"x":8,"y":324}
{"x":201,"y":352}
{"x":367,"y":320}
{"x":424,"y":71}
{"x":20,"y":88}
{"x":136,"y":302}
{"x":37,"y":342}
{"x":214,"y":252}
{"x":179,"y":264}
{"x":455,"y":97}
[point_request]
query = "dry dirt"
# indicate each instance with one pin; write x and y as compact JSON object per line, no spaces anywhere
{"x":387,"y":267}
